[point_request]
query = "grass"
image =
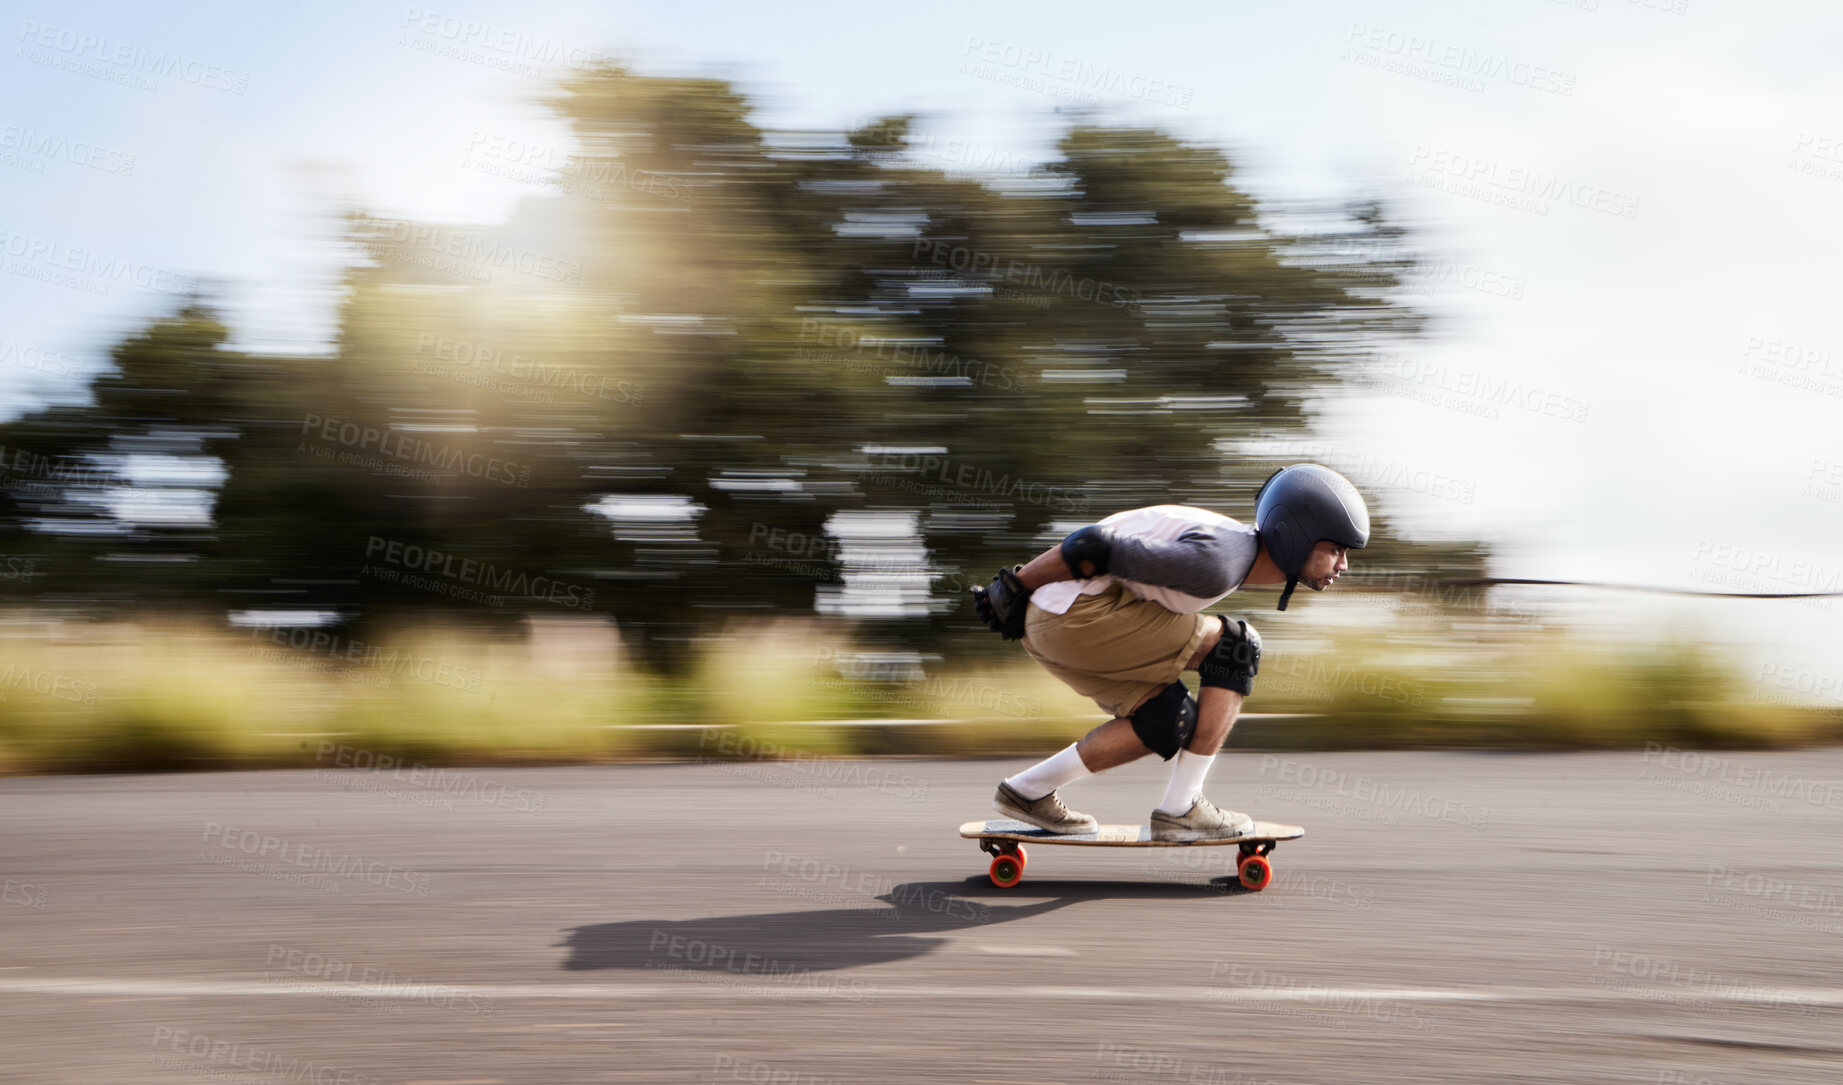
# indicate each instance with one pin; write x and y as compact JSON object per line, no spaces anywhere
{"x":119,"y":697}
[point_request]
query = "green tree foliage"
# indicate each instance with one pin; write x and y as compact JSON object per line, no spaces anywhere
{"x":649,"y":395}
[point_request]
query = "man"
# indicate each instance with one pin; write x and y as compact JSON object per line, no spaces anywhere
{"x":1115,"y":612}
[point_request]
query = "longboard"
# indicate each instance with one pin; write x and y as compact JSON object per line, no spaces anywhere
{"x":1004,"y":840}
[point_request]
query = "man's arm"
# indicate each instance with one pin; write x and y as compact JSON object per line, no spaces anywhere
{"x":1195,"y":563}
{"x":1046,"y":568}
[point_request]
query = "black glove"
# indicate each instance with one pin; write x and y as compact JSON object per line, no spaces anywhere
{"x":1002,"y":603}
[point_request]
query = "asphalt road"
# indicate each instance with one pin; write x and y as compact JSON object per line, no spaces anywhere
{"x":1448,"y":917}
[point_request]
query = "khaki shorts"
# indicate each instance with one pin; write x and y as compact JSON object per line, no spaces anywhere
{"x":1115,"y":647}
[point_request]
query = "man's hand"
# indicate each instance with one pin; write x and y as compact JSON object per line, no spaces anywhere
{"x":1002,"y":603}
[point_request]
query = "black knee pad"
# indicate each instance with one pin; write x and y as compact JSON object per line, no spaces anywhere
{"x":1235,"y":660}
{"x":1166,"y":722}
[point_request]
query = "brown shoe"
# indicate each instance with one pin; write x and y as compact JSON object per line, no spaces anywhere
{"x":1047,"y":812}
{"x":1201,"y":822}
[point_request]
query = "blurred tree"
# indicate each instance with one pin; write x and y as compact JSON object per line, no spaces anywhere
{"x":112,"y":502}
{"x":719,"y":368}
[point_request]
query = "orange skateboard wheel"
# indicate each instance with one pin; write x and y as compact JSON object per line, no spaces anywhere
{"x":1006,"y":870}
{"x":1255,"y":871}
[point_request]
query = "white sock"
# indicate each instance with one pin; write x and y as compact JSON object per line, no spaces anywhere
{"x":1049,"y":774}
{"x":1186,"y":785}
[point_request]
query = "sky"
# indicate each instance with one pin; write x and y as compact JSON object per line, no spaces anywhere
{"x":1633,"y":208}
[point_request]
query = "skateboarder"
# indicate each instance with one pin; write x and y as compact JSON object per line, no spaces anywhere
{"x":1114,"y":611}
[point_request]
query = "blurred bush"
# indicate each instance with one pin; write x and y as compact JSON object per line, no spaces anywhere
{"x":190,"y":696}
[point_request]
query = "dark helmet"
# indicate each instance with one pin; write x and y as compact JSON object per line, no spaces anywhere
{"x":1301,"y":504}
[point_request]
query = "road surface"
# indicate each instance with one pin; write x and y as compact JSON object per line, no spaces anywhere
{"x":1652,"y":916}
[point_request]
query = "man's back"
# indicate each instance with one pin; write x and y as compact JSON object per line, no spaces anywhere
{"x":1182,"y":557}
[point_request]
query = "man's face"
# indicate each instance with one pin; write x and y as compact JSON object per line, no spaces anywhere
{"x":1326,"y":561}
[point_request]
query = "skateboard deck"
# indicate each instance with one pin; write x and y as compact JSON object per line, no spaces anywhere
{"x":1005,"y":840}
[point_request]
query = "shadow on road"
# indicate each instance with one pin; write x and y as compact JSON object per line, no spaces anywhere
{"x":899,"y":927}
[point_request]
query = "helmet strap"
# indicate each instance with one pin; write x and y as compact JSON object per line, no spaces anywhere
{"x":1291,"y":583}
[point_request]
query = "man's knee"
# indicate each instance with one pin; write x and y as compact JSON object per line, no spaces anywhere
{"x":1165,"y":722}
{"x":1235,"y":659}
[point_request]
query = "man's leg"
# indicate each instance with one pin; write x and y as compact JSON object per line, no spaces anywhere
{"x":1184,"y":814}
{"x":1103,"y":643}
{"x":1216,"y":707}
{"x":1113,"y":743}
{"x":1108,"y":746}
{"x":1216,"y":712}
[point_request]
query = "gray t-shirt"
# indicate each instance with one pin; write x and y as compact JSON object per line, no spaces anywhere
{"x":1179,"y":556}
